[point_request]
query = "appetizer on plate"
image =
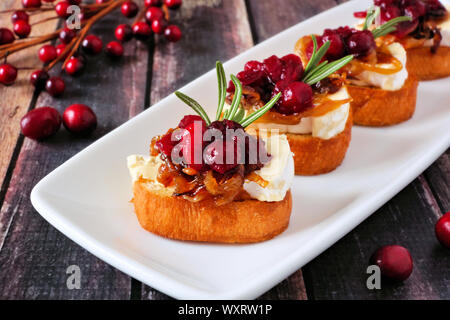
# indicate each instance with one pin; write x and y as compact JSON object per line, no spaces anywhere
{"x":212,"y":181}
{"x":426,"y":37}
{"x":382,"y":92}
{"x":313,"y":111}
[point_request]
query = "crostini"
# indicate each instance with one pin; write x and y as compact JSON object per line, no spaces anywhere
{"x":212,"y":181}
{"x":313,"y":111}
{"x":382,"y":91}
{"x":426,"y":37}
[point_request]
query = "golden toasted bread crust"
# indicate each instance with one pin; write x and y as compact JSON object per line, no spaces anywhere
{"x":377,"y":107}
{"x":314,"y":156}
{"x":237,"y":222}
{"x":428,"y":66}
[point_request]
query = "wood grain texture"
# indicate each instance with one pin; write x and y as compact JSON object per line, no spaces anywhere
{"x":15,"y":100}
{"x":34,"y":256}
{"x":438,"y":176}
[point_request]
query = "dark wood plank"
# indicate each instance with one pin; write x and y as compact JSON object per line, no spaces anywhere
{"x":408,"y":219}
{"x":437,"y":176}
{"x":34,"y":256}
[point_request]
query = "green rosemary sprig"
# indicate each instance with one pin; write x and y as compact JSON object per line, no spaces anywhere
{"x":321,"y":72}
{"x":221,"y":79}
{"x":389,"y":26}
{"x":317,"y":55}
{"x":236,"y":99}
{"x":260,"y":112}
{"x":194,"y":105}
{"x":372,"y":14}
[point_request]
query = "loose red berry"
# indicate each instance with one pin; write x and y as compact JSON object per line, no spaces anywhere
{"x":31,"y":3}
{"x":142,"y":30}
{"x":48,"y":0}
{"x":47,"y":53}
{"x":129,"y":9}
{"x":39,"y":78}
{"x":173,"y":4}
{"x":40,"y":123}
{"x":153,"y":3}
{"x":22,"y":29}
{"x":66,"y":35}
{"x":395,"y":262}
{"x":172,"y":33}
{"x":55,"y":86}
{"x":61,"y":9}
{"x":442,"y":230}
{"x":158,"y":26}
{"x":74,"y":66}
{"x":8,"y":74}
{"x":60,"y":49}
{"x":6,"y":36}
{"x":92,"y":44}
{"x":123,"y":32}
{"x":114,"y":49}
{"x":79,"y":119}
{"x":19,"y":15}
{"x":153,"y":13}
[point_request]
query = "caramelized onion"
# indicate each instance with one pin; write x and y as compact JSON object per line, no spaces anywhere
{"x":225,"y":191}
{"x":257,"y":179}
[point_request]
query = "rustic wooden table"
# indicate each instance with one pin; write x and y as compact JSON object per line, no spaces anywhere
{"x":34,"y":256}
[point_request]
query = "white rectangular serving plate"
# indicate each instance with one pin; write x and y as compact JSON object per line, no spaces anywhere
{"x":87,"y":198}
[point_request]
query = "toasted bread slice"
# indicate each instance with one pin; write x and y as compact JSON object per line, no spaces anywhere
{"x":237,"y":222}
{"x":376,"y":107}
{"x":314,"y":155}
{"x":426,"y":65}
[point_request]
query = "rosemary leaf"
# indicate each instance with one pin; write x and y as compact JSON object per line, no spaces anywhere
{"x":389,"y":26}
{"x":372,"y":14}
{"x":315,"y":58}
{"x":309,"y":65}
{"x":260,"y":112}
{"x":328,"y":69}
{"x":237,"y":97}
{"x":194,"y":105}
{"x":239,"y":115}
{"x":315,"y":70}
{"x":221,"y":79}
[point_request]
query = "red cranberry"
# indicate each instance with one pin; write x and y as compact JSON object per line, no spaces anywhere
{"x":92,"y":44}
{"x":40,"y":123}
{"x":337,"y":47}
{"x":79,"y":119}
{"x":153,"y":3}
{"x":166,"y":144}
{"x":74,"y":66}
{"x":38,"y":78}
{"x":129,"y":9}
{"x":55,"y":86}
{"x":193,"y":145}
{"x":142,"y":31}
{"x":47,"y":53}
{"x":292,"y":69}
{"x":19,"y":15}
{"x":442,"y":230}
{"x":158,"y":26}
{"x":415,"y":11}
{"x":74,"y":2}
{"x":250,"y":77}
{"x":254,"y":65}
{"x":406,"y":27}
{"x":22,"y":28}
{"x":361,"y":43}
{"x":48,"y":1}
{"x":6,"y":36}
{"x":101,"y":1}
{"x":390,"y":12}
{"x":395,"y":262}
{"x":61,"y":9}
{"x":31,"y":3}
{"x":123,"y":32}
{"x":435,"y":8}
{"x":153,"y":13}
{"x":295,"y":98}
{"x":60,"y":49}
{"x":114,"y":49}
{"x":66,"y":35}
{"x":273,"y":67}
{"x":360,"y":14}
{"x":173,"y":4}
{"x":8,"y":74}
{"x":172,"y":33}
{"x":187,"y":120}
{"x":216,"y":155}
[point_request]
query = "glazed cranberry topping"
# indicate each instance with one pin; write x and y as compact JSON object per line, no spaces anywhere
{"x":295,"y":98}
{"x":361,"y":43}
{"x":395,"y":262}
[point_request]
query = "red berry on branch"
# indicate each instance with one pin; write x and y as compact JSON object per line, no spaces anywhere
{"x":123,"y":32}
{"x":48,"y":0}
{"x":60,"y":49}
{"x":129,"y":9}
{"x":22,"y":29}
{"x":79,"y":119}
{"x":395,"y":262}
{"x":153,"y":3}
{"x":55,"y":86}
{"x":39,"y":78}
{"x":114,"y":49}
{"x":31,"y":3}
{"x":6,"y":36}
{"x":61,"y":9}
{"x":66,"y":35}
{"x":172,"y":33}
{"x":19,"y":15}
{"x":142,"y":30}
{"x":47,"y":53}
{"x":92,"y":44}
{"x":442,"y":230}
{"x":173,"y":4}
{"x":158,"y":26}
{"x":40,"y":123}
{"x":153,"y":13}
{"x":8,"y":74}
{"x":74,"y":66}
